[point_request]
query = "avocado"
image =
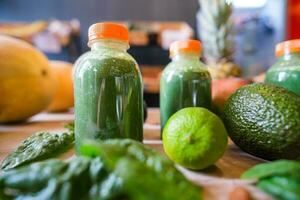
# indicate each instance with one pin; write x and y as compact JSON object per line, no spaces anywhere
{"x":264,"y":120}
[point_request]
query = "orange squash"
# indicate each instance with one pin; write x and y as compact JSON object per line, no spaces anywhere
{"x":63,"y":98}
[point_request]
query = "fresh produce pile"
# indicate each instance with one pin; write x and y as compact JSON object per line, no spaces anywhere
{"x":111,"y":169}
{"x":262,"y":119}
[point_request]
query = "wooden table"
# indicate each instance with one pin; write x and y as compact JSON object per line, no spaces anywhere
{"x":218,"y":180}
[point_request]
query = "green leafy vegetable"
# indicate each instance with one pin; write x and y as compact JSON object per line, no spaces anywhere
{"x":70,"y":127}
{"x":121,"y":169}
{"x":130,"y":159}
{"x":49,"y":180}
{"x":281,"y":179}
{"x":39,"y":146}
{"x":115,"y":149}
{"x":281,"y":187}
{"x":280,"y":167}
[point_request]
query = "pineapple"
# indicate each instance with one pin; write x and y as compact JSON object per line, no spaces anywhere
{"x":217,"y":38}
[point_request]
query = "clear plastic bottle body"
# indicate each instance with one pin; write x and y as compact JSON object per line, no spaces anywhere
{"x":108,"y":94}
{"x":286,"y":72}
{"x":185,"y":82}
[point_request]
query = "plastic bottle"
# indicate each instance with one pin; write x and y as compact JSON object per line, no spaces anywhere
{"x":185,"y":82}
{"x":286,"y":71}
{"x":107,"y":88}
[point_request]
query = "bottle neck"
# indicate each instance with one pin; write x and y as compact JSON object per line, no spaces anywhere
{"x":290,"y":56}
{"x":111,"y":44}
{"x":185,"y":56}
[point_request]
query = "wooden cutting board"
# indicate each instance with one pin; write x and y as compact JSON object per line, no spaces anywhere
{"x":219,"y":180}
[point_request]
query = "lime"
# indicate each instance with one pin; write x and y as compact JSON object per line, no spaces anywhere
{"x":194,"y":138}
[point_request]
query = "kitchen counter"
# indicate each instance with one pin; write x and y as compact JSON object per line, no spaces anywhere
{"x":218,"y":180}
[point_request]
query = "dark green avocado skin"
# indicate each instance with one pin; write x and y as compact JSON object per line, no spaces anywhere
{"x":264,"y":120}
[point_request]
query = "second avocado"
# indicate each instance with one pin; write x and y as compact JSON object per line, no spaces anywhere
{"x":264,"y":120}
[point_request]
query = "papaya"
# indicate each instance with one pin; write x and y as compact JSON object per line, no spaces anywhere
{"x":27,"y":84}
{"x":222,"y":89}
{"x":64,"y":97}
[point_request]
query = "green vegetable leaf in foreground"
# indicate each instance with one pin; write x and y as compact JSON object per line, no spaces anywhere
{"x":280,"y":167}
{"x":142,"y":168}
{"x":48,"y":180}
{"x":121,"y":169}
{"x":280,"y":179}
{"x":39,"y":146}
{"x":281,"y":187}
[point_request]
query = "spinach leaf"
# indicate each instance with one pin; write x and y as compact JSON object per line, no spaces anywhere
{"x":279,"y":167}
{"x":37,"y":147}
{"x":142,"y":169}
{"x":281,"y":187}
{"x":80,"y":178}
{"x":280,"y":179}
{"x":115,"y":170}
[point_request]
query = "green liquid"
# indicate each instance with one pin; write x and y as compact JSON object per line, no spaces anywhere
{"x":108,"y":97}
{"x":286,"y":73}
{"x":181,"y":88}
{"x":288,"y":78}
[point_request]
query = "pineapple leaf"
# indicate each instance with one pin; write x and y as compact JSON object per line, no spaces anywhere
{"x":216,"y":30}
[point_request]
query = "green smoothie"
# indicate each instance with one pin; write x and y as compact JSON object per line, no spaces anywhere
{"x":286,"y":73}
{"x":185,"y":82}
{"x":108,"y":94}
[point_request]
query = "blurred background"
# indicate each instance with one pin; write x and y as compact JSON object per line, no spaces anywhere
{"x":59,"y":29}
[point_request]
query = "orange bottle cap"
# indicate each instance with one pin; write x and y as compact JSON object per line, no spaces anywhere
{"x":287,"y":47}
{"x":108,"y":30}
{"x":185,"y":46}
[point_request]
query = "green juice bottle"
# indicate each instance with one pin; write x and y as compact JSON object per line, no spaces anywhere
{"x":107,"y":88}
{"x":286,"y":71}
{"x":185,"y":82}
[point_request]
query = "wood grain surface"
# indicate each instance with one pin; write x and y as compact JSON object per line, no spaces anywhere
{"x":218,"y":180}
